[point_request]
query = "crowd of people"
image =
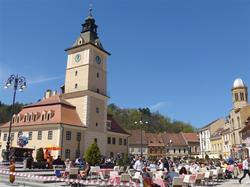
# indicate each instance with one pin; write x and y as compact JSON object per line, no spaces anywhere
{"x":173,"y":168}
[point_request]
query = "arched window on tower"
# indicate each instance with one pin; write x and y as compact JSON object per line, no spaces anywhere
{"x":236,"y":97}
{"x":242,"y":96}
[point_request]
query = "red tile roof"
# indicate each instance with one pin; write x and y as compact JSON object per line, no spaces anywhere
{"x":115,"y":127}
{"x":191,"y":137}
{"x":61,"y":111}
{"x":176,"y":139}
{"x":154,"y":140}
{"x":135,"y":137}
{"x":53,"y":100}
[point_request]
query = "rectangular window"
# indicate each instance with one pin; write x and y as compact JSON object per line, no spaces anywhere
{"x":78,"y":136}
{"x":109,"y":140}
{"x":12,"y":136}
{"x":67,"y":153}
{"x":113,"y":141}
{"x":20,"y":133}
{"x":132,"y":150}
{"x":125,"y":142}
{"x":39,"y":135}
{"x":68,"y":135}
{"x":97,"y":110}
{"x":30,"y":135}
{"x":77,"y":153}
{"x":120,"y":141}
{"x":5,"y":137}
{"x":50,"y":135}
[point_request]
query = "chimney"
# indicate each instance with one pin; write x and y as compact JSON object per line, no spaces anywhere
{"x":54,"y":93}
{"x":47,"y":94}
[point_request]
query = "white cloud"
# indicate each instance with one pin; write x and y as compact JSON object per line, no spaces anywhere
{"x":42,"y":79}
{"x":158,"y":106}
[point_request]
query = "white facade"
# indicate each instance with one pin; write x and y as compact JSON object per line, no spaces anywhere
{"x":204,"y":136}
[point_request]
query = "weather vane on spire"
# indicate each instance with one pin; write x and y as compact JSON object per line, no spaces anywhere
{"x":90,"y":10}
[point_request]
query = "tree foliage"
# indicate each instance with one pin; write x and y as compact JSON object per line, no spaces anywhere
{"x":39,"y":155}
{"x":93,"y":154}
{"x":157,"y":122}
{"x":5,"y":111}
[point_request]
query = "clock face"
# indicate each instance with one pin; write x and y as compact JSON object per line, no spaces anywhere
{"x":98,"y":60}
{"x":77,"y":57}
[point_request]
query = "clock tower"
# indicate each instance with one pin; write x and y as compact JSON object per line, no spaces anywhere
{"x":86,"y":83}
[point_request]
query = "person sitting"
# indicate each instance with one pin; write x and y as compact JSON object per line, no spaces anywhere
{"x":67,"y":167}
{"x":161,"y":165}
{"x":58,"y":161}
{"x":183,"y":171}
{"x":170,"y":175}
{"x":147,"y":179}
{"x":84,"y":173}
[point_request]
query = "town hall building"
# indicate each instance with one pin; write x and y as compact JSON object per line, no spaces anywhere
{"x":77,"y":117}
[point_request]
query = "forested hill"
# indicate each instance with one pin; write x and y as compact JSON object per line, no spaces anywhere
{"x":5,"y":111}
{"x":125,"y":117}
{"x":156,"y":121}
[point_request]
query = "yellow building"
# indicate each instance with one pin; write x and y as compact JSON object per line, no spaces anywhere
{"x":216,"y":141}
{"x":238,"y":116}
{"x":77,"y":117}
{"x":205,"y":134}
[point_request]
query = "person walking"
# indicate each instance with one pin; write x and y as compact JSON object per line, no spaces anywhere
{"x":12,"y":170}
{"x":245,"y":167}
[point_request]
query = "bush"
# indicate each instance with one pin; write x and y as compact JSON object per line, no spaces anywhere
{"x":39,"y":155}
{"x":93,"y":154}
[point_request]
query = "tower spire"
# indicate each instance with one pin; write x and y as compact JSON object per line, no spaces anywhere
{"x":90,"y":10}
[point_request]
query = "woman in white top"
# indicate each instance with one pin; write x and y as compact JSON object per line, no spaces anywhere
{"x":245,"y":167}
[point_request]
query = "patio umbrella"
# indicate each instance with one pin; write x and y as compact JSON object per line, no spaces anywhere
{"x":53,"y":148}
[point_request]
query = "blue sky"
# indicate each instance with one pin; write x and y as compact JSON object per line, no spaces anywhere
{"x":177,"y":57}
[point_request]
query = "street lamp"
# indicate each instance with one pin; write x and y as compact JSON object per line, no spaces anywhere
{"x":141,"y":123}
{"x":18,"y":82}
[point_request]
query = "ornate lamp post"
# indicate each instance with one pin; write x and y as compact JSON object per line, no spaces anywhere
{"x":18,"y":82}
{"x":141,"y":123}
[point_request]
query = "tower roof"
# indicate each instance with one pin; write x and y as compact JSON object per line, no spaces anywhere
{"x":238,"y":83}
{"x":88,"y":34}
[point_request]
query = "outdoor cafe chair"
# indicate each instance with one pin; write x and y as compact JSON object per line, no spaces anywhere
{"x":199,"y":179}
{"x":208,"y":178}
{"x":137,"y":177}
{"x":125,"y":177}
{"x":94,"y":171}
{"x":177,"y":182}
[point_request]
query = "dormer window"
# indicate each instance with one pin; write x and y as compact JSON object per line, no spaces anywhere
{"x":35,"y":117}
{"x":13,"y":118}
{"x":43,"y":116}
{"x":30,"y":117}
{"x":25,"y":118}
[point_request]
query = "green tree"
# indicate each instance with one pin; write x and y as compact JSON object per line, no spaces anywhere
{"x":39,"y":155}
{"x":93,"y":154}
{"x":157,"y":122}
